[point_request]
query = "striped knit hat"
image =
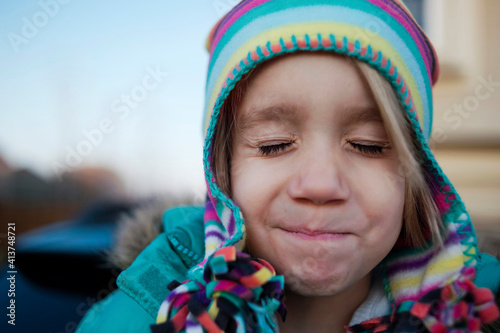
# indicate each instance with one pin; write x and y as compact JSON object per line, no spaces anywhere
{"x":381,"y":33}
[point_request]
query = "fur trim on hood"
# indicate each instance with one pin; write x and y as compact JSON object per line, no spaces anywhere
{"x":139,"y":228}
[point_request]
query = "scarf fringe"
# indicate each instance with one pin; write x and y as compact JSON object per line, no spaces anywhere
{"x":239,"y":294}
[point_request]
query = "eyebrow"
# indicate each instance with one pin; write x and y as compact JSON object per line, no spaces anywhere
{"x":274,"y":113}
{"x":288,"y":113}
{"x":362,"y":114}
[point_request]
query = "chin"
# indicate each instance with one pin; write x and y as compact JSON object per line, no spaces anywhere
{"x":312,"y":286}
{"x":308,"y":280}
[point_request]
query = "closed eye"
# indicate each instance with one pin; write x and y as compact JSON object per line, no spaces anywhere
{"x":368,"y":149}
{"x":267,"y":150}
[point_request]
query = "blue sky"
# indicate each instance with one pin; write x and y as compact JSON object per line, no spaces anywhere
{"x":65,"y":67}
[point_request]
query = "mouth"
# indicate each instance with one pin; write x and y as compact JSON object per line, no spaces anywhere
{"x":317,"y":235}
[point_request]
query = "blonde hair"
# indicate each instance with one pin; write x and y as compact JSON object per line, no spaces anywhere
{"x":422,"y":219}
{"x":224,"y":131}
{"x":421,"y":214}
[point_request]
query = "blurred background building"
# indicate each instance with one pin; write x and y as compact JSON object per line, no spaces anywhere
{"x":466,"y":130}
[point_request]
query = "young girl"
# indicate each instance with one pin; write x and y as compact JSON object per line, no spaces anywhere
{"x":327,"y":210}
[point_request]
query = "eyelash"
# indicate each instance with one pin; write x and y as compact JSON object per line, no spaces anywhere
{"x":372,"y":150}
{"x":274,"y":149}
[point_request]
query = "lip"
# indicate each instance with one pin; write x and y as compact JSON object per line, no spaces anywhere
{"x":307,"y":234}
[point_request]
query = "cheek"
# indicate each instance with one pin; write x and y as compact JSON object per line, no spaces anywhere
{"x":381,"y":196}
{"x":256,"y":189}
{"x":247,"y":188}
{"x":255,"y":184}
{"x":383,"y":187}
{"x":389,"y":209}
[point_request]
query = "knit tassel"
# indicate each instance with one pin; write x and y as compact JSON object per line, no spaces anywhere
{"x":240,"y":294}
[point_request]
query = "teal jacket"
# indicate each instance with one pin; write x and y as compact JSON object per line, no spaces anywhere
{"x":143,"y":286}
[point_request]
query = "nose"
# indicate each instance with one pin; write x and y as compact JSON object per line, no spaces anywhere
{"x":320,"y":178}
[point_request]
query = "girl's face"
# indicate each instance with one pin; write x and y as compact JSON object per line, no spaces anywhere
{"x":312,"y":171}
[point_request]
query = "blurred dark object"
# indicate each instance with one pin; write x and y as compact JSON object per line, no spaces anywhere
{"x":31,"y":201}
{"x":489,"y":242}
{"x":62,"y":271}
{"x":416,"y":7}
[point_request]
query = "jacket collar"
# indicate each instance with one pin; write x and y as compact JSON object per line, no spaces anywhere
{"x":180,"y":246}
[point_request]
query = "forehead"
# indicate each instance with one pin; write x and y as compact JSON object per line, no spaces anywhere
{"x":292,"y":87}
